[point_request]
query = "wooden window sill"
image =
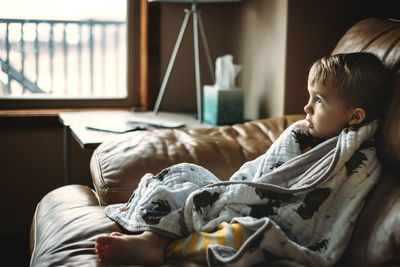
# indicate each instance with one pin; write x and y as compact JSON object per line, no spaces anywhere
{"x":37,"y":118}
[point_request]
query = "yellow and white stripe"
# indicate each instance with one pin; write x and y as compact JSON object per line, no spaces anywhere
{"x":194,"y":247}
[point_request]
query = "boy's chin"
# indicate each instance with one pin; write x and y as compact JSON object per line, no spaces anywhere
{"x":317,"y":134}
{"x":313,"y":133}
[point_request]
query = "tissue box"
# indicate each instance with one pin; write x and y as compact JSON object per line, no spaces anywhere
{"x":222,"y":106}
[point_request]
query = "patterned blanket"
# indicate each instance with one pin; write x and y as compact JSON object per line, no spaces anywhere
{"x":300,"y":200}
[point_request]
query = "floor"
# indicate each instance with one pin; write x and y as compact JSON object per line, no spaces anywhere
{"x":12,"y":243}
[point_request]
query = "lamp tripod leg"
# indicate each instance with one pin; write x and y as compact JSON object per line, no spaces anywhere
{"x":197,"y":63}
{"x":171,"y":61}
{"x":206,"y":48}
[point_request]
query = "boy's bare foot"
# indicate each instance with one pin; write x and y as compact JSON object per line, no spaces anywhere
{"x":144,"y":249}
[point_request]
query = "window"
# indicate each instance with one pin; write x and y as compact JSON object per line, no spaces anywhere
{"x":67,"y":53}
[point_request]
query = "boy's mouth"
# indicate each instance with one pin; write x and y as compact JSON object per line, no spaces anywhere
{"x":309,"y":123}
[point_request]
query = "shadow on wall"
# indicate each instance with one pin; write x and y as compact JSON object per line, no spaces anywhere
{"x":262,"y":49}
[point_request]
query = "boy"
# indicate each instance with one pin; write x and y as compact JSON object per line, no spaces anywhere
{"x":291,"y":203}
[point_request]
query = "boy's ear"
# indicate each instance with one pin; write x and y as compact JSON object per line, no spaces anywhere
{"x":358,"y":116}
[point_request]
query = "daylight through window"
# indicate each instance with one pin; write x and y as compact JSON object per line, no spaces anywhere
{"x":68,"y":49}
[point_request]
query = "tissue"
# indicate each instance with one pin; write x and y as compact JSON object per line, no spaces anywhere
{"x":225,"y":72}
{"x":223,"y":101}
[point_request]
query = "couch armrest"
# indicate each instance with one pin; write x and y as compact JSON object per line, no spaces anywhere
{"x":117,"y":166}
{"x":64,"y":226}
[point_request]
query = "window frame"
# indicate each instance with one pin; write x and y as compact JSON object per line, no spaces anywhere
{"x":132,"y":82}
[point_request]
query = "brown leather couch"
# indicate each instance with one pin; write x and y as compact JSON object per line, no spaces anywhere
{"x":68,"y":219}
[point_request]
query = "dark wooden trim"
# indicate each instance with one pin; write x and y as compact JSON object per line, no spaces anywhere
{"x":24,"y":122}
{"x":38,"y":118}
{"x":149,"y":53}
{"x":133,"y":52}
{"x":143,"y":60}
{"x":154,"y":48}
{"x":6,"y":104}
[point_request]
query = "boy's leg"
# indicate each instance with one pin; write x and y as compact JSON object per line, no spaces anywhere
{"x":194,"y":247}
{"x":144,"y":249}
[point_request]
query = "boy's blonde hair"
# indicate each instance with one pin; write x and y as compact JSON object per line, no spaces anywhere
{"x":360,"y":78}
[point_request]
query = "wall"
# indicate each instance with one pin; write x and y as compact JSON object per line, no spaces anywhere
{"x":31,"y":166}
{"x":276,"y":41}
{"x":262,"y":42}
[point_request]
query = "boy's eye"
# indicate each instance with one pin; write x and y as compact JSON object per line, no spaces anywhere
{"x":318,"y":100}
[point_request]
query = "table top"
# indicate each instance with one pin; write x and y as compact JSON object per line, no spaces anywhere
{"x":114,"y":123}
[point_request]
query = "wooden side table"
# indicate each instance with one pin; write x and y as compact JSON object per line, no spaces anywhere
{"x":75,"y":126}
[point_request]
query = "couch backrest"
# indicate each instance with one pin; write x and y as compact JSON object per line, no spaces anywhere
{"x":382,"y":38}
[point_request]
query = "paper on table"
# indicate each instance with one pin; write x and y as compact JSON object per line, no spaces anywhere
{"x":116,"y":126}
{"x":161,"y":123}
{"x":122,"y":126}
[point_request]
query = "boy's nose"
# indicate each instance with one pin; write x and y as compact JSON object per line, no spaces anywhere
{"x":308,"y":109}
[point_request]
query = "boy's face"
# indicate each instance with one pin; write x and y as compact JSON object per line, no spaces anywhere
{"x":327,"y":114}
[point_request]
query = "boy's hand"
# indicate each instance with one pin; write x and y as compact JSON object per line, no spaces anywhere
{"x":303,"y":128}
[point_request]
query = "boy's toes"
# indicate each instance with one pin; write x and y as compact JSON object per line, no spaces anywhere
{"x":100,"y":251}
{"x":103,"y":240}
{"x":102,"y":244}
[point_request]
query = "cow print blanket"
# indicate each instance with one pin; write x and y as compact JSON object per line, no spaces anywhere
{"x":300,"y":200}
